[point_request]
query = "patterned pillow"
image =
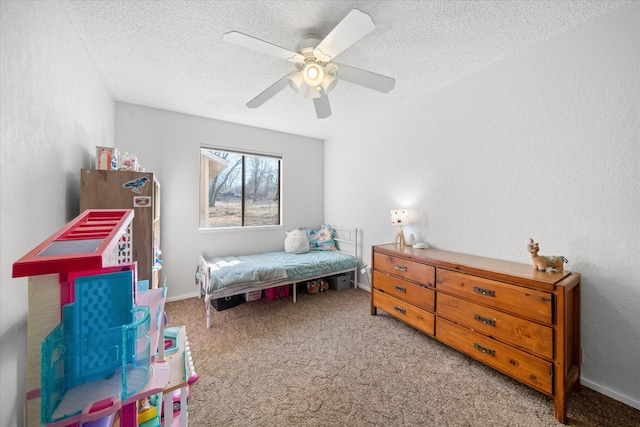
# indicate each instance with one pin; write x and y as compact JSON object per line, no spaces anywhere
{"x":322,"y":239}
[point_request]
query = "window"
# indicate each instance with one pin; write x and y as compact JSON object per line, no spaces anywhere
{"x":238,"y":189}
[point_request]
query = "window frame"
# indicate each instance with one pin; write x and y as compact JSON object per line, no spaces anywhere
{"x":204,"y":189}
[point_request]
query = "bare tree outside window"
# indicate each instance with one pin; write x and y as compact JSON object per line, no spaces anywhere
{"x":238,"y":189}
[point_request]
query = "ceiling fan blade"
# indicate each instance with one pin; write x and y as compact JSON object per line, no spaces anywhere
{"x":323,"y":109}
{"x":365,"y":78}
{"x":352,"y":28}
{"x":261,"y":46}
{"x":269,"y":93}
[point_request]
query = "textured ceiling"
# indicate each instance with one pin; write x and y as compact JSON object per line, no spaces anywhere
{"x":170,"y":54}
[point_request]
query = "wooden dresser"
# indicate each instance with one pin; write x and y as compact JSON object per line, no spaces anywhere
{"x":519,"y":321}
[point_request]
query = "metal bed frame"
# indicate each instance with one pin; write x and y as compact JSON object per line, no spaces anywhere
{"x":346,"y":242}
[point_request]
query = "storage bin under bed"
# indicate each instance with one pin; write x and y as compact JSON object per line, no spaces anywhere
{"x":277,"y":292}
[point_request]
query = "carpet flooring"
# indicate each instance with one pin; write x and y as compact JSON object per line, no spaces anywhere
{"x":325,"y":361}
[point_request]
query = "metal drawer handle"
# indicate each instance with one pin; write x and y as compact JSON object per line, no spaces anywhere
{"x":400,"y":289}
{"x":482,"y":291}
{"x":399,"y":309}
{"x":484,"y":349}
{"x":400,"y":267}
{"x":485,"y":320}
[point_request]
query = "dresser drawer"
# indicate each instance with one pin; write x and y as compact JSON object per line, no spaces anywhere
{"x":523,"y":333}
{"x":535,"y":372}
{"x":407,"y":291}
{"x":530,"y":303}
{"x":404,"y":311}
{"x":405,"y":268}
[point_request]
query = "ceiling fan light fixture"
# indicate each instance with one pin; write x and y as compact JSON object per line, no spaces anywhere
{"x":312,"y":74}
{"x":296,"y":81}
{"x":316,"y":75}
{"x":313,"y":92}
{"x":329,"y":82}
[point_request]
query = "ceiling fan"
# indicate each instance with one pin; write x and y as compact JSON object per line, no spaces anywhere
{"x":316,"y":74}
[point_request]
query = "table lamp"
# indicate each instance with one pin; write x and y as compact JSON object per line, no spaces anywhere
{"x":399,"y":217}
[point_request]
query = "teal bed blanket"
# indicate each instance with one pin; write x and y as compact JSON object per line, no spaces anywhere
{"x":273,"y":267}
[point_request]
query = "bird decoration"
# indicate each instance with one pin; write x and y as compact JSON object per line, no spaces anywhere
{"x":136,"y":184}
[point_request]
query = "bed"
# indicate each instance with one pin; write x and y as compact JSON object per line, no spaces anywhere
{"x":225,"y":276}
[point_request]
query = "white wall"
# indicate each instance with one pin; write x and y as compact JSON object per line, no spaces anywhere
{"x":545,"y":145}
{"x":55,"y":110}
{"x":168,"y":144}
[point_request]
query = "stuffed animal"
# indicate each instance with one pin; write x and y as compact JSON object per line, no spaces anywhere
{"x":313,"y":287}
{"x":296,"y":242}
{"x":541,"y":262}
{"x":323,"y":285}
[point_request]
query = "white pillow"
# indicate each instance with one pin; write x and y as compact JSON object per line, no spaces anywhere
{"x":296,"y":242}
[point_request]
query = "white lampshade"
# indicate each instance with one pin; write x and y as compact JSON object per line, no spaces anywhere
{"x":329,"y":82}
{"x":312,"y":92}
{"x":296,"y":81}
{"x":312,"y":74}
{"x":399,"y":217}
